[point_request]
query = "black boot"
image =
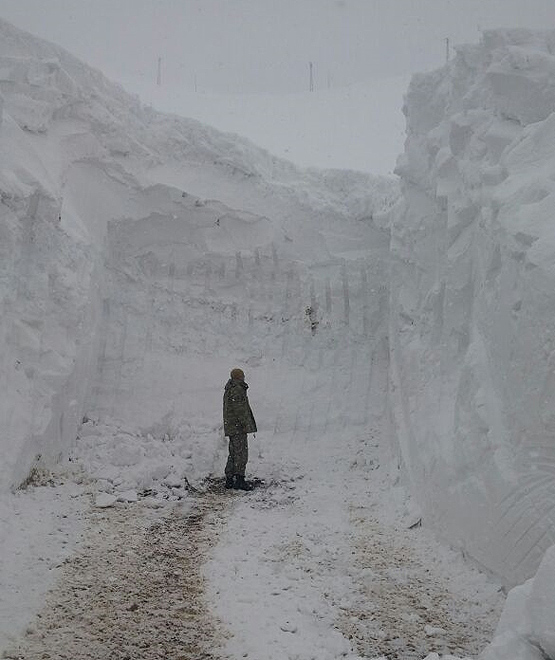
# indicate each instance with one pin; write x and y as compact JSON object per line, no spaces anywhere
{"x":229,"y":482}
{"x":241,"y":484}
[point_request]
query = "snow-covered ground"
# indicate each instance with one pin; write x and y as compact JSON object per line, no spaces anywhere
{"x":144,"y":256}
{"x":323,"y":564}
{"x":40,"y":529}
{"x":325,"y":560}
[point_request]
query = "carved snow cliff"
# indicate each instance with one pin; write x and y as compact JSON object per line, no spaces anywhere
{"x":472,"y":324}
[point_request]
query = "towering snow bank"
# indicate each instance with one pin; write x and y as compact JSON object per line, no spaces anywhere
{"x":47,"y":327}
{"x":118,"y":279}
{"x":473,"y":299}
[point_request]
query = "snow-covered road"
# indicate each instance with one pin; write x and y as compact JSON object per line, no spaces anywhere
{"x":319,"y":567}
{"x":133,"y":590}
{"x":320,"y":563}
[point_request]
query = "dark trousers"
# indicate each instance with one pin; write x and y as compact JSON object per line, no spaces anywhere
{"x":238,"y":455}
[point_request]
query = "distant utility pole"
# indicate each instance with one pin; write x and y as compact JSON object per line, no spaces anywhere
{"x":447,"y":50}
{"x":311,"y":78}
{"x":196,"y":83}
{"x":159,"y":76}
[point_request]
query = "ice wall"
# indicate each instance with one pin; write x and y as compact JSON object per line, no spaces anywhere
{"x":472,"y":331}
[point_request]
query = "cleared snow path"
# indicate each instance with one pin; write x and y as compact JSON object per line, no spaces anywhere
{"x":318,"y":564}
{"x":322,"y":562}
{"x":296,"y":570}
{"x":134,"y":590}
{"x":318,"y":567}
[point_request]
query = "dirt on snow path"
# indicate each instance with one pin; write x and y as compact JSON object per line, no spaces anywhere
{"x":135,"y":590}
{"x":320,"y":568}
{"x":278,"y":573}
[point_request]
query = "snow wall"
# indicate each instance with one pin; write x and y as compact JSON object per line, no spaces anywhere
{"x":143,"y":255}
{"x":472,"y":322}
{"x":47,"y":283}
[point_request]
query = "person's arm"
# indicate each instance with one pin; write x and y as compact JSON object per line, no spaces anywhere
{"x":243,"y":409}
{"x":238,"y":409}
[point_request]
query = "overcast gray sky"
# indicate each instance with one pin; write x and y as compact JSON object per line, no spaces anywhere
{"x":265,"y":45}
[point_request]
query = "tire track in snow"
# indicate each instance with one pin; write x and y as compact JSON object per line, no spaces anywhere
{"x":135,"y":591}
{"x":405,"y":607}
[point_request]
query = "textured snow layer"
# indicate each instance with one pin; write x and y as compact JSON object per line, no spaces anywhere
{"x":473,"y":300}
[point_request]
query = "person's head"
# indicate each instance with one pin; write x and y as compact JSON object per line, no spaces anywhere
{"x":237,"y":374}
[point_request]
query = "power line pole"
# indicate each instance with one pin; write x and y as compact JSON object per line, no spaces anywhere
{"x":311,"y":77}
{"x":447,"y":50}
{"x":159,"y":75}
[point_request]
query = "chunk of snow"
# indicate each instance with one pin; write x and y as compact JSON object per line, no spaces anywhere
{"x":173,"y":480}
{"x":515,"y":617}
{"x":511,"y":647}
{"x":526,"y":629}
{"x":105,"y":500}
{"x":128,"y":496}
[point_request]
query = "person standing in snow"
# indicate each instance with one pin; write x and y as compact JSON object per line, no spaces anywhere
{"x":238,"y":421}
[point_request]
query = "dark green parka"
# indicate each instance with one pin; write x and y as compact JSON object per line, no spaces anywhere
{"x":238,"y":417}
